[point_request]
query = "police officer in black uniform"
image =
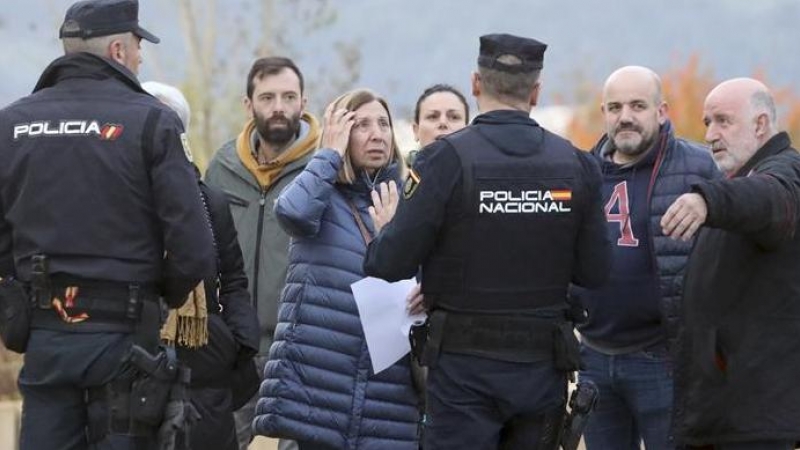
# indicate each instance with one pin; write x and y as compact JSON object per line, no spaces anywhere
{"x":100,"y":216}
{"x":502,"y":216}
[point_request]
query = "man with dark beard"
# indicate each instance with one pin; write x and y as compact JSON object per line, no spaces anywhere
{"x":624,"y":341}
{"x":274,"y":146}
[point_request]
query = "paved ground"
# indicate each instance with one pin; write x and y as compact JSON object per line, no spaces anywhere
{"x":263,"y":443}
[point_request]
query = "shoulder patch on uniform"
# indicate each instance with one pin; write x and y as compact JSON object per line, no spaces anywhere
{"x":186,"y":149}
{"x":411,"y":184}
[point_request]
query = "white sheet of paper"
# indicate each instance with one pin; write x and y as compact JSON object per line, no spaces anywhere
{"x":386,"y":323}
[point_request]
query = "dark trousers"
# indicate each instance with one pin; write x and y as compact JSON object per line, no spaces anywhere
{"x":58,"y":369}
{"x":483,"y":404}
{"x":216,"y":429}
{"x":753,"y":445}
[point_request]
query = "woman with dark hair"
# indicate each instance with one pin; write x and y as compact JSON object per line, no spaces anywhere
{"x":319,"y":388}
{"x":440,"y":110}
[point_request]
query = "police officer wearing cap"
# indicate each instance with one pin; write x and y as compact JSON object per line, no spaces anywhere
{"x":100,"y":217}
{"x":501,"y":216}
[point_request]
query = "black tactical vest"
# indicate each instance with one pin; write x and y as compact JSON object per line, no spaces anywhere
{"x":513,"y":246}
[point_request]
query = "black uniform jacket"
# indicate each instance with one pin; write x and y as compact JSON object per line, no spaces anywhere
{"x":739,"y":345}
{"x":437,"y":204}
{"x":94,"y":175}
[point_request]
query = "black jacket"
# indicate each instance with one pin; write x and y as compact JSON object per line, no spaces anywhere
{"x":94,"y":175}
{"x":224,"y":375}
{"x":232,"y":324}
{"x":739,"y":345}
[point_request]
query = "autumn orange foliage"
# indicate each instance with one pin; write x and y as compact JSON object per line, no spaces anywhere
{"x":685,"y":89}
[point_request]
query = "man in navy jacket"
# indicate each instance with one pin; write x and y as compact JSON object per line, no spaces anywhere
{"x":624,"y":341}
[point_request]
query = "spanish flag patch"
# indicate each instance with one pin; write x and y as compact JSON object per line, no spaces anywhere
{"x":411,"y":184}
{"x":563,"y":195}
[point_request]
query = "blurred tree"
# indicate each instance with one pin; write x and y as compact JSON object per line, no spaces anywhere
{"x":685,"y":89}
{"x":222,"y":45}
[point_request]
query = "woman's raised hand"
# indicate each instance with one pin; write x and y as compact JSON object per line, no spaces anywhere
{"x":384,"y":205}
{"x":336,"y":128}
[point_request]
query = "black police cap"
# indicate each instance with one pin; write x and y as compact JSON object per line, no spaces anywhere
{"x":529,"y":51}
{"x":93,"y":18}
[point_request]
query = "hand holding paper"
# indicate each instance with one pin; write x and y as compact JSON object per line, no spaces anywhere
{"x":385,"y":318}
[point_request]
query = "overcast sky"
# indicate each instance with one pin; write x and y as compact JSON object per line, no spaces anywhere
{"x":407,"y":45}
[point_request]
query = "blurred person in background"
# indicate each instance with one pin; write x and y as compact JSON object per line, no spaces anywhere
{"x":440,"y":110}
{"x":216,"y":331}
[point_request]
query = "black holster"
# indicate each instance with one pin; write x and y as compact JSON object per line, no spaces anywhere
{"x":581,"y":404}
{"x":151,"y":388}
{"x":149,"y":399}
{"x":15,"y":315}
{"x":418,"y":337}
{"x":419,"y":379}
{"x":17,"y":303}
{"x":179,"y":415}
{"x":426,"y":339}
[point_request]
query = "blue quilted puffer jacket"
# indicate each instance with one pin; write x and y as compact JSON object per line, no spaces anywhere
{"x":318,"y":383}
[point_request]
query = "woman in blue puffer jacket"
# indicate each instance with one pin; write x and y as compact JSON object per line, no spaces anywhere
{"x":319,"y":388}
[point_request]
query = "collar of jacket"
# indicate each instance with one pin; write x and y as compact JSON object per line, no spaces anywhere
{"x":266,"y":175}
{"x":86,"y":65}
{"x":505,"y":117}
{"x":364,"y":184}
{"x":228,"y":155}
{"x":772,"y":147}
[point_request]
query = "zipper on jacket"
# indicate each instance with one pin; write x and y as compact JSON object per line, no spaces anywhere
{"x":261,"y":203}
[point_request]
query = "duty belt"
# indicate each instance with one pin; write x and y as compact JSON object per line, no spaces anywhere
{"x":77,"y":299}
{"x":506,"y":337}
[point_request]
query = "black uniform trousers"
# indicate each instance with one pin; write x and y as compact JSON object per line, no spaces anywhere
{"x":485,"y":404}
{"x":58,"y":369}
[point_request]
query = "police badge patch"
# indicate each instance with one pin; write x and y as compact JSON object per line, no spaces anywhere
{"x":186,"y":150}
{"x":411,"y":184}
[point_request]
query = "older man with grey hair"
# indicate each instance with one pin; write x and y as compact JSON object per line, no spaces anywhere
{"x":739,"y":350}
{"x":172,"y":97}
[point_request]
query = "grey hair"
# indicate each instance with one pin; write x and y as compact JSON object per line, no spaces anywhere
{"x":762,"y":101}
{"x":96,"y":46}
{"x":172,"y":97}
